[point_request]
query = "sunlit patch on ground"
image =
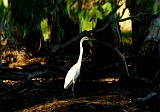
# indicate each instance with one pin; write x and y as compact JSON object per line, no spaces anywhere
{"x":108,"y":102}
{"x":38,"y":79}
{"x":23,"y":61}
{"x":11,"y":82}
{"x":109,"y":80}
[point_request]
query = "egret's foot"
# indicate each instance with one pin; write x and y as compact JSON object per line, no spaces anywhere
{"x":73,"y":97}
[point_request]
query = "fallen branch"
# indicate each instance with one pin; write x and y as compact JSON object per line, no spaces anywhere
{"x":23,"y":82}
{"x":142,"y":78}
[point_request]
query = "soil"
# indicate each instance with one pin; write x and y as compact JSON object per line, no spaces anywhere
{"x":91,"y":95}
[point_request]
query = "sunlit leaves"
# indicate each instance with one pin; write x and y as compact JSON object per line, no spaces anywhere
{"x":82,"y":14}
{"x":5,"y":3}
{"x":44,"y":28}
{"x":86,"y":25}
{"x":89,"y":11}
{"x":96,"y":13}
{"x":68,"y":9}
{"x":107,"y":8}
{"x":89,"y":20}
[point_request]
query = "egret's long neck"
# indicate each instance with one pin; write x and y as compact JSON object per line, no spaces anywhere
{"x":81,"y":52}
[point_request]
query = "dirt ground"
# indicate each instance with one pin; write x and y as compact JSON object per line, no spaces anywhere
{"x":91,"y":94}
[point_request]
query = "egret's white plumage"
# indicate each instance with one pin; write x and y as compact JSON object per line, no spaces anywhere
{"x":74,"y":71}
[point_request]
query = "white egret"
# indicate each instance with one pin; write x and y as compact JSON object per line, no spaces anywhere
{"x":74,"y":72}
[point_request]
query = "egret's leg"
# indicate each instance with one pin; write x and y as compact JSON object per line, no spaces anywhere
{"x":73,"y":89}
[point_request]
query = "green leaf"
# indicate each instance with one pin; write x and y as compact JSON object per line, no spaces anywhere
{"x":81,"y":14}
{"x":95,"y":13}
{"x":25,"y":31}
{"x":107,"y":7}
{"x":44,"y":28}
{"x":86,"y":25}
{"x":68,"y":9}
{"x":0,"y":3}
{"x":155,"y":8}
{"x":94,"y":22}
{"x":98,"y":14}
{"x":5,"y":3}
{"x":76,"y":10}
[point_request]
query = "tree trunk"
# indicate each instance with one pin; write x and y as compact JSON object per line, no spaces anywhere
{"x":141,"y":23}
{"x":146,"y":45}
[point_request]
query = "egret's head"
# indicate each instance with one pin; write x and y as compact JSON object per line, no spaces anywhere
{"x":86,"y":38}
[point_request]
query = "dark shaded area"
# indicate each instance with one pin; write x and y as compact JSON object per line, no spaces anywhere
{"x":140,"y":26}
{"x":88,"y":90}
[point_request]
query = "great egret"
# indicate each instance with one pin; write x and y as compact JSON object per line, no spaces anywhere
{"x":74,"y":72}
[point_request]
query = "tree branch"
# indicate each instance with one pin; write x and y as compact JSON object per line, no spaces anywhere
{"x":88,"y":33}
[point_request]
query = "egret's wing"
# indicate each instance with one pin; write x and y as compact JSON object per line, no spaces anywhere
{"x":70,"y":75}
{"x":77,"y":74}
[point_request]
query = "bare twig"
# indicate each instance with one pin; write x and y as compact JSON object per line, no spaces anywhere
{"x":103,"y":27}
{"x":147,"y":97}
{"x":141,"y":78}
{"x":131,"y":17}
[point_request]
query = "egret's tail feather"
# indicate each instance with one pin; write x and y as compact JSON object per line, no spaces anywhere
{"x":66,"y":86}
